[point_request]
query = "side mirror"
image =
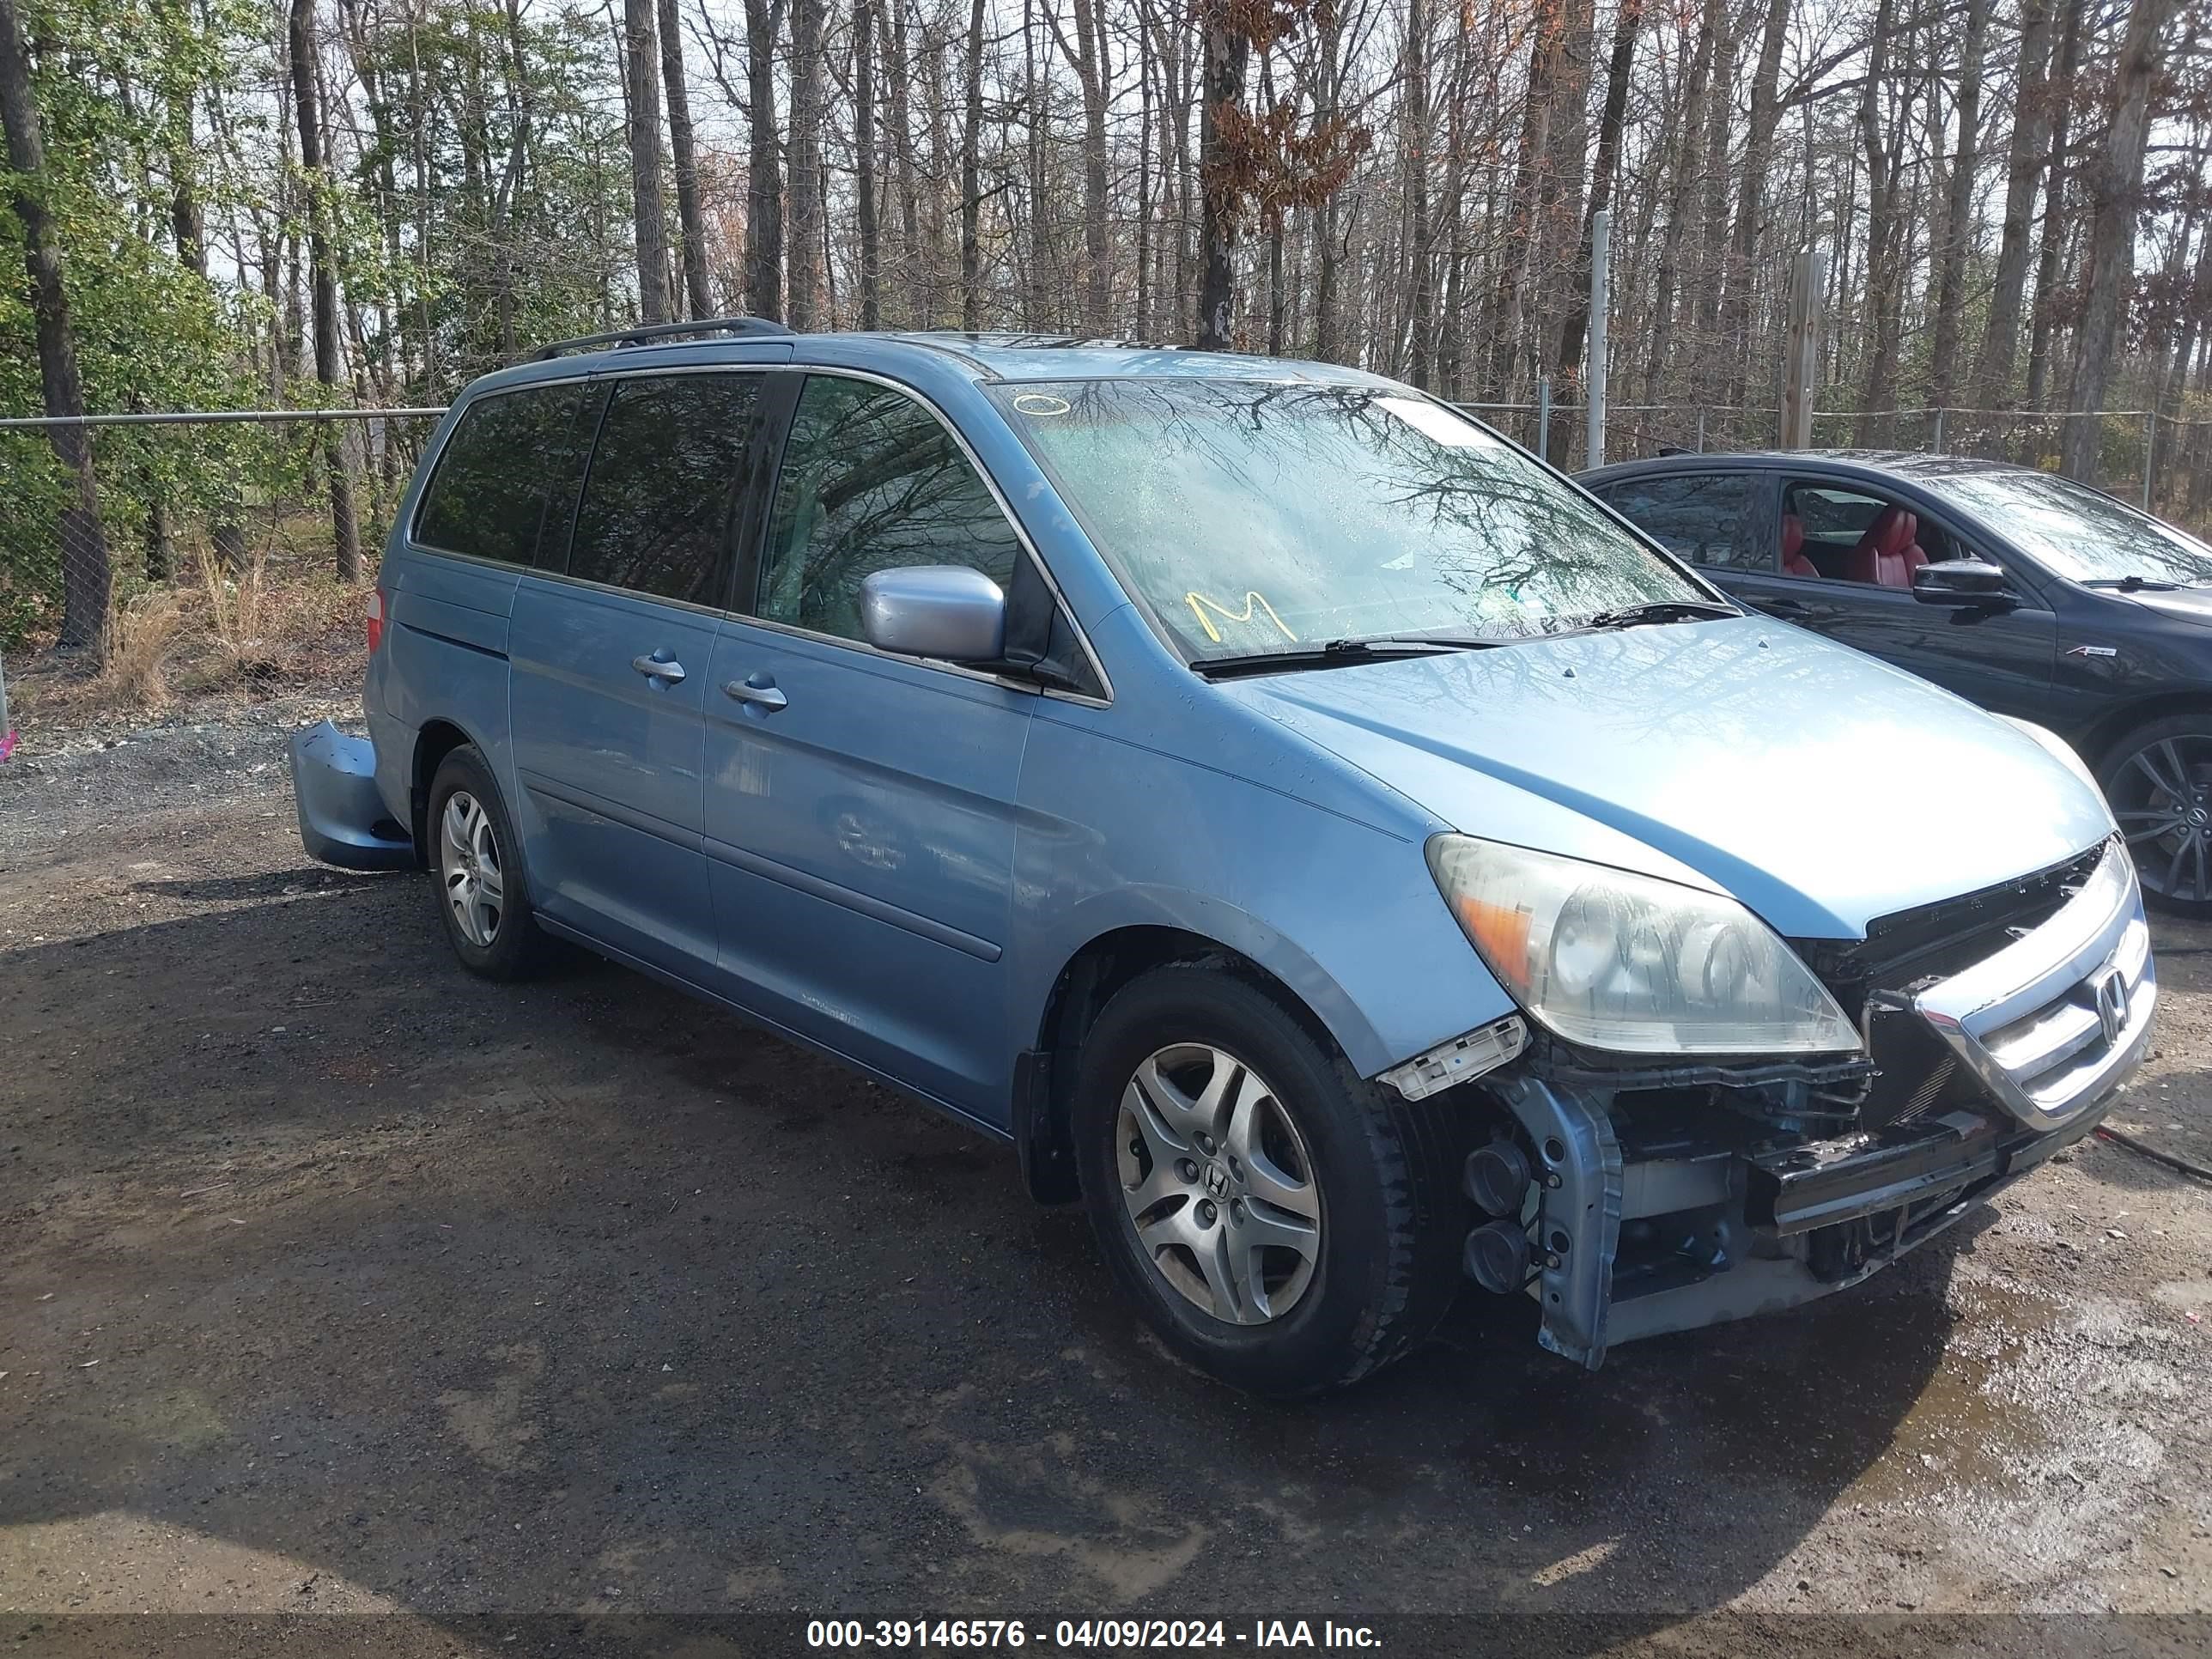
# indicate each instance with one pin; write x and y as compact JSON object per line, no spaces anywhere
{"x":942,"y":610}
{"x":1961,"y":582}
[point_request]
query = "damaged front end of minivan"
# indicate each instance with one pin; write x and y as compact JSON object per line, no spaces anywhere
{"x":1826,"y":1105}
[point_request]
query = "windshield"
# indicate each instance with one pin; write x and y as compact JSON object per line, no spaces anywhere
{"x":1257,"y":517}
{"x":2079,"y":532}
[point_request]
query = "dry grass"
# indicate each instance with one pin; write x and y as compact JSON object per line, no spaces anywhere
{"x":142,"y":637}
{"x":280,"y":622}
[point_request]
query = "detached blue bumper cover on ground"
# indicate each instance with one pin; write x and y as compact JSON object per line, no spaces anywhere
{"x":343,"y":819}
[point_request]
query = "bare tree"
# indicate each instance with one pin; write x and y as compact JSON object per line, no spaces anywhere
{"x":2116,"y":190}
{"x":690,"y":220}
{"x":86,"y":577}
{"x":308,"y":112}
{"x":641,"y":84}
{"x":764,"y":157}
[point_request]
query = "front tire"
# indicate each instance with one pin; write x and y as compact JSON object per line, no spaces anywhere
{"x":483,"y":893}
{"x":1282,"y":1224}
{"x":2158,"y":780}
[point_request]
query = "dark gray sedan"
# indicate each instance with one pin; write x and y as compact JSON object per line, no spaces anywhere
{"x":2033,"y":595}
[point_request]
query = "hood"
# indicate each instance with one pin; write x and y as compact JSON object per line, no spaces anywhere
{"x":2188,"y":603}
{"x":1820,"y":787}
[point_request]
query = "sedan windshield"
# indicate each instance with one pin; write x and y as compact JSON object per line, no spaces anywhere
{"x":1259,"y":516}
{"x":2079,"y":532}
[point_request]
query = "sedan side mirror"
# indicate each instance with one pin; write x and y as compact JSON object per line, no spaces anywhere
{"x":944,"y":610}
{"x":1962,"y":582}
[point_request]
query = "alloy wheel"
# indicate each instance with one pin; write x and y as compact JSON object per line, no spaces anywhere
{"x":469,"y":860}
{"x":1218,"y":1184}
{"x":2162,"y":799}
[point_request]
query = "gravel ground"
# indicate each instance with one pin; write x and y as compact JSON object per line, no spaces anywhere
{"x":333,"y":1281}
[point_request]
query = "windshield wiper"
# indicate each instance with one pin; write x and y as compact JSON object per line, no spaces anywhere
{"x":2132,"y":584}
{"x":1341,"y":654}
{"x":1659,"y":611}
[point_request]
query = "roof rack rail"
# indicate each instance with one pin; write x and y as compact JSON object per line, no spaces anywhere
{"x":645,"y":331}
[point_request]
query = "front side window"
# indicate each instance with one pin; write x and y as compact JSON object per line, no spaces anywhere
{"x":1257,"y":517}
{"x":489,"y":492}
{"x":1694,"y":516}
{"x":2079,"y":532}
{"x":871,"y":481}
{"x":655,"y":515}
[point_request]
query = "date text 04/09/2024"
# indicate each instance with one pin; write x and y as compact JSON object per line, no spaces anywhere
{"x":1086,"y":1634}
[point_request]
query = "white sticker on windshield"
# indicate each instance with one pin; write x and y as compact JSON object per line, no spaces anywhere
{"x":1436,"y":422}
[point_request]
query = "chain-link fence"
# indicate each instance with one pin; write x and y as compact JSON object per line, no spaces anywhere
{"x":203,"y":535}
{"x":183,"y":509}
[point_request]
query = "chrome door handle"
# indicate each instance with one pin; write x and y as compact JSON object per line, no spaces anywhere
{"x":766,"y":698}
{"x":668,"y":672}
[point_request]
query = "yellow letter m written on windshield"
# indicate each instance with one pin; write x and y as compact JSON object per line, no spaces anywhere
{"x":1254,"y":604}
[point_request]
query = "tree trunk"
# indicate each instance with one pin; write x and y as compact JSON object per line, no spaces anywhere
{"x":641,"y":85}
{"x":2054,"y":197}
{"x":809,"y":107}
{"x":1328,"y":253}
{"x":2119,"y":197}
{"x":971,"y":178}
{"x":1097,"y":250}
{"x":1958,"y":215}
{"x":1228,"y":51}
{"x":322,"y":280}
{"x":1603,"y":169}
{"x":864,"y":161}
{"x":2000,"y":350}
{"x":1691,"y":132}
{"x":763,"y":155}
{"x":1885,"y":237}
{"x":87,"y":581}
{"x":909,"y":233}
{"x":1421,"y":342}
{"x":1741,"y":278}
{"x":689,"y":217}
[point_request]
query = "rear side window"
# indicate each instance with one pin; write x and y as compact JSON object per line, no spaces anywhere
{"x":871,"y":481}
{"x":655,"y":515}
{"x":489,"y":492}
{"x":1694,"y":516}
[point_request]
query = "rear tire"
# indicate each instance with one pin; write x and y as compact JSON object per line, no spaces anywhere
{"x":2158,"y":780}
{"x":484,"y":894}
{"x":1282,"y":1224}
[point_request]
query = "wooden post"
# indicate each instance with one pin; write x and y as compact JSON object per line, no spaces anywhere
{"x":1802,"y":367}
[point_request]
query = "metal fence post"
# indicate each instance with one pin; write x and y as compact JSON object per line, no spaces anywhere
{"x":1939,"y":431}
{"x":1601,"y":257}
{"x":2150,"y":458}
{"x":7,"y":732}
{"x":1701,"y":432}
{"x":1543,"y":417}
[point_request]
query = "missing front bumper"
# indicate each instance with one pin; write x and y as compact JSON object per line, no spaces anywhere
{"x":1633,"y":1242}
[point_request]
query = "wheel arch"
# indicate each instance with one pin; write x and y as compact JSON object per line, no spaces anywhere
{"x":437,"y":739}
{"x":2101,"y":739}
{"x":1044,"y":1074}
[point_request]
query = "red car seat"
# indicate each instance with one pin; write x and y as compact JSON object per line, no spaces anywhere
{"x":1886,"y":554}
{"x":1794,"y":562}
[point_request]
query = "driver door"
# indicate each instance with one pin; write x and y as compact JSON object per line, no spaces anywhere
{"x":859,"y":807}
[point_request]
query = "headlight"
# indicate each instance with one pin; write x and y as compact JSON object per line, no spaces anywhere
{"x":1633,"y":965}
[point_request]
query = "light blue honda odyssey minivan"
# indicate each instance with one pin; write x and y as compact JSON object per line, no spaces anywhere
{"x":1325,"y":842}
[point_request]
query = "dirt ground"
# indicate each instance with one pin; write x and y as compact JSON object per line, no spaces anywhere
{"x":579,"y":1316}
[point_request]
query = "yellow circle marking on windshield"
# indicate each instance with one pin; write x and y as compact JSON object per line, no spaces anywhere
{"x":1042,"y":403}
{"x":1200,"y":604}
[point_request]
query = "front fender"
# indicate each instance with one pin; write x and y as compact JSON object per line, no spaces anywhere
{"x":1344,"y":914}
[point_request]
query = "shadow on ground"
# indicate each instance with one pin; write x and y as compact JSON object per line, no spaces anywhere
{"x":334,"y":1278}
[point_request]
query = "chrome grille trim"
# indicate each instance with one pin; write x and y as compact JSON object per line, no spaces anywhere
{"x":2025,"y":1019}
